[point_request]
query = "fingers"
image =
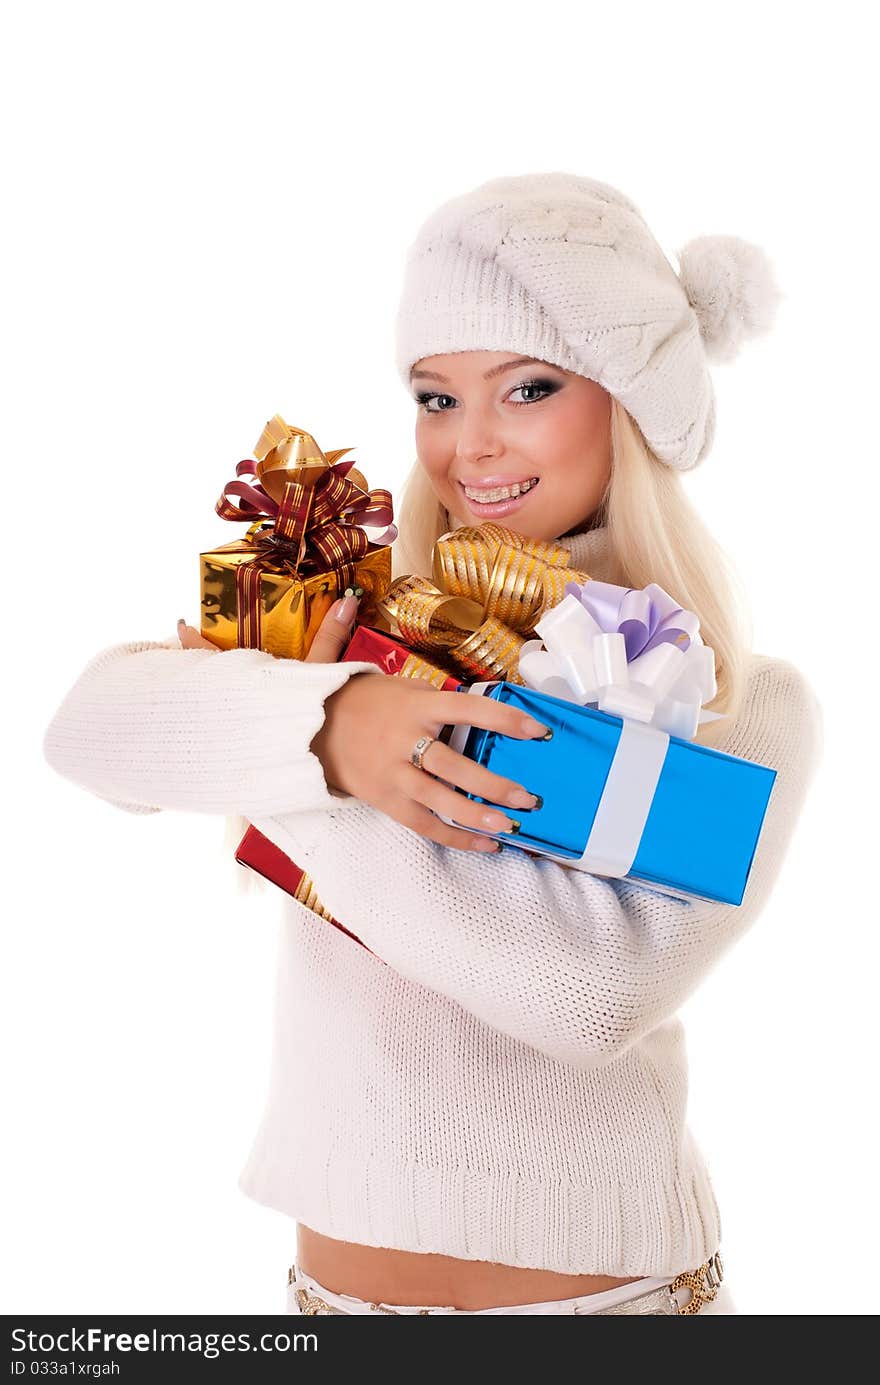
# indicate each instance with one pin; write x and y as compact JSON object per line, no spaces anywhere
{"x":334,"y":632}
{"x":472,"y":710}
{"x":413,"y":815}
{"x":190,"y":638}
{"x":440,"y":798}
{"x":449,"y":765}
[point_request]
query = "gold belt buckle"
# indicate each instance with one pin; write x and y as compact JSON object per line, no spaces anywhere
{"x":703,"y":1284}
{"x":310,"y":1304}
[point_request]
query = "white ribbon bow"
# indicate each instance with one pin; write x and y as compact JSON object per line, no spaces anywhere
{"x":575,"y":659}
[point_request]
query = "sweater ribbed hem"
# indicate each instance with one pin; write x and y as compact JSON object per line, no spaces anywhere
{"x":495,"y":1216}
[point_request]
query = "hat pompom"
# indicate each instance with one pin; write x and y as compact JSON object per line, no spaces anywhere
{"x":731,"y":286}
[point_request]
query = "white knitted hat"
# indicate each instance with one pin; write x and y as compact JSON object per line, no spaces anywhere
{"x":565,"y":269}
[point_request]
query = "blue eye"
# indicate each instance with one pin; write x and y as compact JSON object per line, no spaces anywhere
{"x":547,"y":387}
{"x":423,"y":399}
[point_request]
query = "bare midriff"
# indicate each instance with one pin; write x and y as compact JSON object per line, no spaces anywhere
{"x":379,"y":1275}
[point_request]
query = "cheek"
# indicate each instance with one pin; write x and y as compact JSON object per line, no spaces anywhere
{"x":571,"y":492}
{"x":578,"y":426}
{"x":426,"y":441}
{"x":432,"y":454}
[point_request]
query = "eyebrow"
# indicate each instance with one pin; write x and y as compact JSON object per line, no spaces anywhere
{"x":496,"y":370}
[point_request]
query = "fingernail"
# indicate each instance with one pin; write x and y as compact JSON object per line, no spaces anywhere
{"x":497,"y":822}
{"x":182,"y":621}
{"x":536,"y":728}
{"x":485,"y":844}
{"x":521,"y":798}
{"x":347,"y":608}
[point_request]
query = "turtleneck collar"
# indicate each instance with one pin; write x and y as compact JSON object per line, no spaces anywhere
{"x":589,"y":551}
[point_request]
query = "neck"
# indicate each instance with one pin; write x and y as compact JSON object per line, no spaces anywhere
{"x":589,"y":551}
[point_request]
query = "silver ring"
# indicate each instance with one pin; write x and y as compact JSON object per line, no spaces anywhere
{"x":417,"y":753}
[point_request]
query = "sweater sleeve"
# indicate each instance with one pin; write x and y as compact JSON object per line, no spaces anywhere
{"x":576,"y":965}
{"x":150,"y":725}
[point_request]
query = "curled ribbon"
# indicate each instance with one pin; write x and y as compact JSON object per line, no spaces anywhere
{"x":490,"y":588}
{"x":632,"y":652}
{"x":315,"y":510}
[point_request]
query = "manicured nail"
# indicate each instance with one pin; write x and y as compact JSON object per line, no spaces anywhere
{"x":497,"y":822}
{"x":347,"y":608}
{"x":536,"y":728}
{"x":486,"y":844}
{"x":182,"y":621}
{"x":521,"y":798}
{"x":358,"y":591}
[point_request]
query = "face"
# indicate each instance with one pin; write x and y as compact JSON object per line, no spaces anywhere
{"x":508,"y":438}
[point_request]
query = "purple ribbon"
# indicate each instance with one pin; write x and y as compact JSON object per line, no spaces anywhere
{"x":645,"y":616}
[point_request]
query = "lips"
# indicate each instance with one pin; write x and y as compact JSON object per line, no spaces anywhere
{"x":492,"y":490}
{"x":502,"y":503}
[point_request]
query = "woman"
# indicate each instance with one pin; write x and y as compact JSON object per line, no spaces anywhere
{"x":483,"y":1110}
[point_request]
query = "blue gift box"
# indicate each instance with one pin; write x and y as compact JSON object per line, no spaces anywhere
{"x":705,"y":809}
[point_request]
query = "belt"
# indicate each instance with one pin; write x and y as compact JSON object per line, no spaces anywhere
{"x":701,"y":1285}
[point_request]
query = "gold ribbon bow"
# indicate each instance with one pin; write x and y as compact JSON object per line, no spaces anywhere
{"x":491,"y":586}
{"x":315,"y":506}
{"x":316,"y":503}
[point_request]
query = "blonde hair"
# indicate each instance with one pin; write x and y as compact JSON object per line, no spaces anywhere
{"x":654,"y":535}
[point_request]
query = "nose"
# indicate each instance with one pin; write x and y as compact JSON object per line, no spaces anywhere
{"x":478,"y":437}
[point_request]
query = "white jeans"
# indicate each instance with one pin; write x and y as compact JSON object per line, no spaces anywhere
{"x":303,"y":1287}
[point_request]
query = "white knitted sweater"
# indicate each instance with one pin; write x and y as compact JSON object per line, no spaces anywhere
{"x":512,"y":1085}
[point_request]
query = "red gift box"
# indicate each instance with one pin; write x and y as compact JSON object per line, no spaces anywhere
{"x":255,"y":850}
{"x":369,"y":646}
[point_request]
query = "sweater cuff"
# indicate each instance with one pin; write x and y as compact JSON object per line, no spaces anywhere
{"x":149,"y":726}
{"x":286,"y":771}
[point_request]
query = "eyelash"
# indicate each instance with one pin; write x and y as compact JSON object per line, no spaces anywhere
{"x":548,"y":386}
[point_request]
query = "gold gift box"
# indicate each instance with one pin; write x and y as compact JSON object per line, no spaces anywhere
{"x":271,"y":588}
{"x":285,"y":601}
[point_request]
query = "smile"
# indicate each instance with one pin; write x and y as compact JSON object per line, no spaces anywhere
{"x":488,"y":495}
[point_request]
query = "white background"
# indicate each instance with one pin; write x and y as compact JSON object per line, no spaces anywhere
{"x":207,"y":209}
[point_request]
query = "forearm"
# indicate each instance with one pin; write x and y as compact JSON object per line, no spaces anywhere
{"x":148,"y":725}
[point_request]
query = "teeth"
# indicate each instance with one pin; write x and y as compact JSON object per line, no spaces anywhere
{"x":486,"y":497}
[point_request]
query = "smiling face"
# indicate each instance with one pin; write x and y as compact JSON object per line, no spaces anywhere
{"x":504,"y":437}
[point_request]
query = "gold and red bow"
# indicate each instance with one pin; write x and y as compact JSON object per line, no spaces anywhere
{"x":314,"y":506}
{"x":490,"y":588}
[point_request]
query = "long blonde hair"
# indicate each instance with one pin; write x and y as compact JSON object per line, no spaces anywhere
{"x":654,"y":535}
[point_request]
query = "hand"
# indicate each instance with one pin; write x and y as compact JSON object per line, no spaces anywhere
{"x":190,"y":638}
{"x":330,"y":626}
{"x":372,"y":723}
